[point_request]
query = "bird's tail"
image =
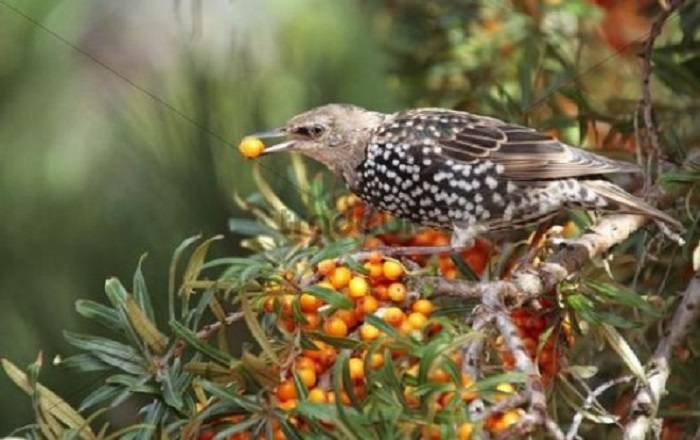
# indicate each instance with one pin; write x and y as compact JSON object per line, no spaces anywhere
{"x":625,"y":202}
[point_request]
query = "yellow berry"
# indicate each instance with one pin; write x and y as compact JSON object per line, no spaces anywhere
{"x":504,"y":389}
{"x":340,"y":277}
{"x":307,"y":376}
{"x":417,"y":320}
{"x":309,"y":303}
{"x":423,"y":306}
{"x":358,"y":287}
{"x":394,"y":316}
{"x":369,"y":332}
{"x":376,"y":360}
{"x":325,"y":267}
{"x":392,"y":270}
{"x":251,"y":147}
{"x":375,"y":270}
{"x":336,"y":327}
{"x":464,"y":432}
{"x":368,"y":305}
{"x":357,"y":368}
{"x":317,"y":395}
{"x":397,"y":292}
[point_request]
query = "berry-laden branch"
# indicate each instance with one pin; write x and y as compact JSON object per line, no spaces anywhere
{"x":646,"y":402}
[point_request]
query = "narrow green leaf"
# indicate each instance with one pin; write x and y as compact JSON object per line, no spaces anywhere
{"x":140,"y":290}
{"x":102,"y":314}
{"x":256,"y":330}
{"x":193,"y":341}
{"x":332,"y":297}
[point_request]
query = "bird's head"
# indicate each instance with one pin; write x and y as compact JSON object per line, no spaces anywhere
{"x":335,"y":135}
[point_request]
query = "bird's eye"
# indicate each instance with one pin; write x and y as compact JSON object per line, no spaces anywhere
{"x":311,"y":131}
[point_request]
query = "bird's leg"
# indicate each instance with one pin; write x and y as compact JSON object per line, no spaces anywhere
{"x":462,"y":239}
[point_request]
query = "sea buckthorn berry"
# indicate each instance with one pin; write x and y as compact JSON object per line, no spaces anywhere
{"x":417,"y":320}
{"x":340,"y":277}
{"x":307,"y":376}
{"x":375,"y":270}
{"x":405,"y":328}
{"x":376,"y":360}
{"x":357,"y":368}
{"x":375,"y":257}
{"x":506,"y":420}
{"x":287,"y":303}
{"x":317,"y":395}
{"x":381,"y":292}
{"x":287,"y":324}
{"x":439,"y":375}
{"x":348,"y":317}
{"x":409,"y":394}
{"x":316,"y":354}
{"x":464,"y":432}
{"x":468,"y":392}
{"x":358,"y":287}
{"x":369,"y":332}
{"x":325,"y":267}
{"x":305,"y":362}
{"x":394,"y":316}
{"x":336,"y":327}
{"x":251,"y":147}
{"x":309,"y":303}
{"x":313,"y":320}
{"x":423,"y":306}
{"x":288,"y":405}
{"x":392,"y":270}
{"x":341,"y":204}
{"x":286,"y":391}
{"x":373,"y":242}
{"x":368,"y":305}
{"x":397,"y":292}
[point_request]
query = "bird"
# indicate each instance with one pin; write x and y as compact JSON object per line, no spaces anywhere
{"x":470,"y":174}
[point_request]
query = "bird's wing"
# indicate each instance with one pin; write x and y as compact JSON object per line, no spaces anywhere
{"x":525,"y":154}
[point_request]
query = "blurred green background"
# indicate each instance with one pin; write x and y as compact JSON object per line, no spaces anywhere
{"x":119,"y":119}
{"x":95,"y":171}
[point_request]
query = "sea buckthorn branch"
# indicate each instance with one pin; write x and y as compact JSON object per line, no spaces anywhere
{"x":590,"y":399}
{"x":646,"y":402}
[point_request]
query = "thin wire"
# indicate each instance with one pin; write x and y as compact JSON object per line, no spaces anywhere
{"x":136,"y":86}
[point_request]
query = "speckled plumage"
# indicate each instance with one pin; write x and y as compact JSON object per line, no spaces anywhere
{"x":455,"y":170}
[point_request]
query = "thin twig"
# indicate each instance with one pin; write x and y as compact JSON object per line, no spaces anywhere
{"x":578,"y":418}
{"x":646,"y":402}
{"x":208,"y":330}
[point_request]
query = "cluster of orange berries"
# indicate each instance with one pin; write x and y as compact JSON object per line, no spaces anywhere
{"x":475,"y":257}
{"x":532,"y":323}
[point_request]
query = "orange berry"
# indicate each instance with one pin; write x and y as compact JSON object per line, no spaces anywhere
{"x":394,"y":316}
{"x":317,"y":395}
{"x":476,"y":261}
{"x":369,"y":332}
{"x":468,"y":393}
{"x":269,"y":304}
{"x":381,"y":292}
{"x":375,"y":257}
{"x":423,"y":306}
{"x":313,"y":320}
{"x":325,"y":267}
{"x":392,"y":270}
{"x":288,"y":405}
{"x":464,"y":432}
{"x":358,"y":287}
{"x":307,"y":376}
{"x":286,"y":391}
{"x":251,"y":147}
{"x":309,"y":303}
{"x":397,"y":292}
{"x":287,"y":324}
{"x":348,"y":317}
{"x":306,"y":362}
{"x":287,"y":303}
{"x":506,"y":420}
{"x":410,"y":396}
{"x":316,"y":355}
{"x":357,"y":368}
{"x":439,"y":375}
{"x":375,"y":269}
{"x":368,"y":305}
{"x":340,"y":277}
{"x":417,"y":320}
{"x":405,"y":328}
{"x":336,"y":327}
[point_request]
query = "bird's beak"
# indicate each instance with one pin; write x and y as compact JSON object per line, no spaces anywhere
{"x":276,"y":133}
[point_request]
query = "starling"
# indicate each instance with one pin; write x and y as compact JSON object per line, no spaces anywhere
{"x":458,"y":171}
